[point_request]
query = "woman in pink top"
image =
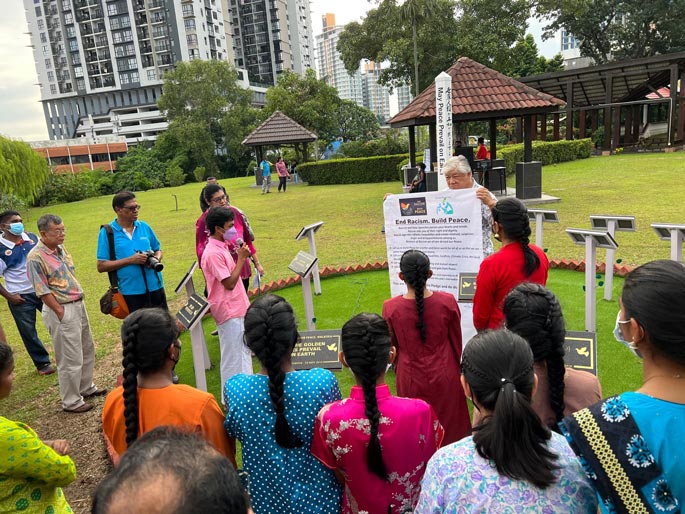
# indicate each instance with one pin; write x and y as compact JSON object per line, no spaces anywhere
{"x":377,"y":444}
{"x":283,"y":174}
{"x":216,"y":196}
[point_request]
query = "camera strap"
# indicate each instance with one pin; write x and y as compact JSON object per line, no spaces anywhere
{"x":113,"y":278}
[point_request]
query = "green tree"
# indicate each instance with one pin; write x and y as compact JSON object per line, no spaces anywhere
{"x":524,"y":60}
{"x":355,"y":122}
{"x":415,"y":12}
{"x":310,"y":102}
{"x":617,"y":29}
{"x":479,"y":29}
{"x":209,"y":114}
{"x":22,"y":170}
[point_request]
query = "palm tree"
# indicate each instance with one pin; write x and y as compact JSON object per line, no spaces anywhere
{"x":415,"y":12}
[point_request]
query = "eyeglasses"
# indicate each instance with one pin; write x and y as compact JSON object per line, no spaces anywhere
{"x":132,"y":208}
{"x":219,"y":199}
{"x":622,"y":322}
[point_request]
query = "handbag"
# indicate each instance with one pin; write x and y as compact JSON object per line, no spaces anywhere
{"x":113,"y":302}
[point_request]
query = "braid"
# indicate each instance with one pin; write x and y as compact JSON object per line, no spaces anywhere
{"x":271,"y":333}
{"x":130,"y":383}
{"x":366,"y":345}
{"x":534,"y":313}
{"x":415,"y":267}
{"x":512,"y":215}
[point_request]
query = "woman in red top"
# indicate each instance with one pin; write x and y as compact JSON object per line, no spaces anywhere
{"x":517,"y":261}
{"x":425,"y":329}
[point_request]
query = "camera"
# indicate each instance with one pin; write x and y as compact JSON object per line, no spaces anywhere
{"x":152,"y":262}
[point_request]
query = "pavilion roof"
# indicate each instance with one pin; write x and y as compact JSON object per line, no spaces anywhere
{"x":279,"y":129}
{"x":478,"y":93}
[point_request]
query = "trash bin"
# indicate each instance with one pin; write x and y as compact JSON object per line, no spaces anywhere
{"x":528,"y":180}
{"x":409,"y":174}
{"x":259,"y":178}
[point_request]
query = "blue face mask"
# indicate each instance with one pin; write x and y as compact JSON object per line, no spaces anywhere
{"x":619,"y":337}
{"x":17,"y":228}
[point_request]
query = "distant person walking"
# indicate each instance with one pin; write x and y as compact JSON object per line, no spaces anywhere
{"x":15,"y":244}
{"x":283,"y":174}
{"x":265,"y":167}
{"x":482,"y":153}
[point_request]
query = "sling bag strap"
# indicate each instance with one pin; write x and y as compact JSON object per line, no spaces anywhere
{"x":113,"y":278}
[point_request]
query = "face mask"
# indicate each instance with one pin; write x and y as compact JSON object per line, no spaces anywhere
{"x":230,"y":234}
{"x":619,"y":337}
{"x":17,"y":228}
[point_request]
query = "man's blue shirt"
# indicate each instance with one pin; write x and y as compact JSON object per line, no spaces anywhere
{"x":131,"y":276}
{"x":266,"y":167}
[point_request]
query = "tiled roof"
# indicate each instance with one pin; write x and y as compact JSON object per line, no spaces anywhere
{"x":277,"y":129}
{"x":478,"y":93}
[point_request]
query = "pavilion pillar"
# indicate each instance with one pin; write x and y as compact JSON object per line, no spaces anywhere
{"x":680,"y":131}
{"x":616,"y":134}
{"x":556,"y":126}
{"x":581,"y":123}
{"x":493,"y":138}
{"x":433,"y":145}
{"x":519,"y":130}
{"x":534,"y":127}
{"x":569,"y":110}
{"x":543,"y":127}
{"x":412,"y":146}
{"x":673,"y":108}
{"x":527,"y":139}
{"x":607,"y":113}
{"x":636,"y":122}
{"x":594,"y":116}
{"x":628,"y":130}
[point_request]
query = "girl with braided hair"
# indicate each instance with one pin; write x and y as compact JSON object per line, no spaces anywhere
{"x":517,"y":261}
{"x":425,"y":327}
{"x":533,"y":312}
{"x":148,"y":398}
{"x":377,"y":443}
{"x":272,"y":414}
{"x":512,"y":459}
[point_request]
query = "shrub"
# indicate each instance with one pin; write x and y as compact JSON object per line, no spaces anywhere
{"x":11,"y":202}
{"x":174,"y":175}
{"x":68,"y":187}
{"x":351,"y":171}
{"x":548,"y":152}
{"x":386,"y":145}
{"x":200,"y":173}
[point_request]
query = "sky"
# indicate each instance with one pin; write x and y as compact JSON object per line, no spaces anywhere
{"x":21,"y":113}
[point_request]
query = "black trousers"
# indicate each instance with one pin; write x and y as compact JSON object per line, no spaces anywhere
{"x":282,"y":181}
{"x":140,"y":301}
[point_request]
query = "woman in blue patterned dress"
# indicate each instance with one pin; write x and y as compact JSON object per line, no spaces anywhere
{"x":632,"y":444}
{"x":272,"y":413}
{"x":512,"y":463}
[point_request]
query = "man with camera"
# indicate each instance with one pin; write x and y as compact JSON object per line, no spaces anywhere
{"x":136,"y":258}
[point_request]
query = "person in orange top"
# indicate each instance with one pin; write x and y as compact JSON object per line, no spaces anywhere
{"x":148,"y":398}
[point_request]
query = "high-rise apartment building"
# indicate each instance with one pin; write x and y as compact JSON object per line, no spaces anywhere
{"x":330,"y":66}
{"x":100,"y":63}
{"x":269,"y":37}
{"x":376,"y":96}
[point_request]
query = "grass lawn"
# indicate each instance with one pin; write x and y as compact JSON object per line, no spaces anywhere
{"x":647,"y":185}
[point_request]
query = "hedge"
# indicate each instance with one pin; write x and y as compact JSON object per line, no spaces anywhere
{"x":351,"y":171}
{"x":548,"y":152}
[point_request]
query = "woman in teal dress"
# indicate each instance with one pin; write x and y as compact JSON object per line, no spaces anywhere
{"x":272,"y":413}
{"x":32,"y":471}
{"x":632,"y":444}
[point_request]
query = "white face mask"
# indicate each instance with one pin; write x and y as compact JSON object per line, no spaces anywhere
{"x":619,"y":337}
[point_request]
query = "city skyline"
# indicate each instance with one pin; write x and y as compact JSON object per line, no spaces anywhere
{"x":21,"y":113}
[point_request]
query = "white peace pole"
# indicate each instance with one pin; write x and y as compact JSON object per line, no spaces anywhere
{"x":443,"y":122}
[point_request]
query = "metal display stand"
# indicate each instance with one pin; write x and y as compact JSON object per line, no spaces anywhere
{"x":304,"y":264}
{"x":591,"y":239}
{"x":308,"y":231}
{"x":611,"y":224}
{"x":539,"y":216}
{"x":198,"y":344}
{"x":673,"y":233}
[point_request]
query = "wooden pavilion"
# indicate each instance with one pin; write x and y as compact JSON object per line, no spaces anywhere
{"x":279,"y":129}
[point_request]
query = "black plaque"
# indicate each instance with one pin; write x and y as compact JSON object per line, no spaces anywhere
{"x":192,"y":311}
{"x":302,"y":263}
{"x":581,"y":351}
{"x":317,"y":349}
{"x":467,"y":286}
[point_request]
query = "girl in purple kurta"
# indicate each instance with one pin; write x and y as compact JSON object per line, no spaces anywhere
{"x":425,"y":328}
{"x":378,"y":444}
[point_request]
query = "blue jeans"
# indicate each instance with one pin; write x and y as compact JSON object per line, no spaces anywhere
{"x":25,"y":317}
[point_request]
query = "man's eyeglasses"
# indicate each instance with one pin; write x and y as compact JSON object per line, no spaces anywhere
{"x":219,"y":199}
{"x":132,"y":208}
{"x":58,"y":231}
